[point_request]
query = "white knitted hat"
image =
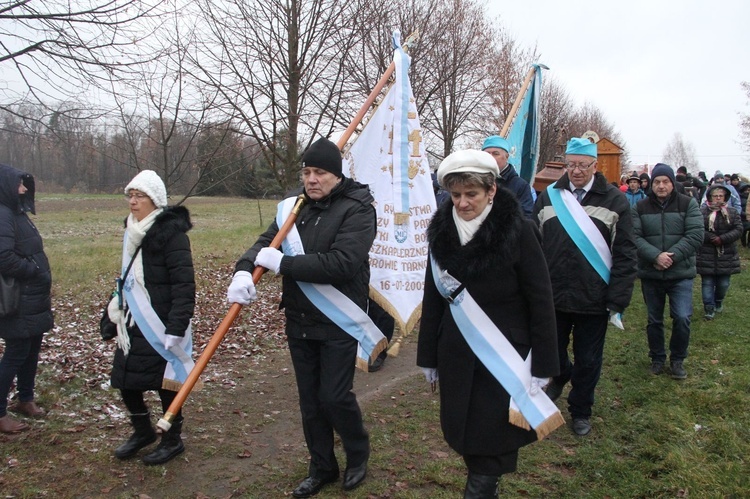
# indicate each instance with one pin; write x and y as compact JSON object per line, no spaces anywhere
{"x":150,"y":184}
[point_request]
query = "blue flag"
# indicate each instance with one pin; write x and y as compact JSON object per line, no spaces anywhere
{"x":523,"y":134}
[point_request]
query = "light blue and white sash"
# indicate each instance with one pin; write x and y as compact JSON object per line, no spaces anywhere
{"x":500,"y":358}
{"x":333,"y":303}
{"x":582,"y":230}
{"x":179,"y":360}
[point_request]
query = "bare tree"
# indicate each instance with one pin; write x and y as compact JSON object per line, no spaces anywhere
{"x":590,"y":117}
{"x":680,"y":153}
{"x":556,"y":112}
{"x":278,"y":66}
{"x":56,"y":50}
{"x":464,"y":67}
{"x":464,"y":59}
{"x":508,"y":68}
{"x":170,"y":122}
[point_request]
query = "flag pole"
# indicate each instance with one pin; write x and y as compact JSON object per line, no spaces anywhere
{"x":517,"y":103}
{"x":366,"y":106}
{"x":165,"y":423}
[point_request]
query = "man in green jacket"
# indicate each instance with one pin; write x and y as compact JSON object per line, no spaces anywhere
{"x":668,"y":229}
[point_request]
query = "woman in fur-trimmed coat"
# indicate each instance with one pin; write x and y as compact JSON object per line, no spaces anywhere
{"x":483,"y":240}
{"x":164,"y":267}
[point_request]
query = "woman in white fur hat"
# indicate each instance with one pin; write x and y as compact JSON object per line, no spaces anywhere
{"x":152,"y":311}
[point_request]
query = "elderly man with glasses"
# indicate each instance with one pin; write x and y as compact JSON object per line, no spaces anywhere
{"x":587,"y":237}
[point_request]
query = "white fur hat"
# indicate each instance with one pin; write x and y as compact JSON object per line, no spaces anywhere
{"x":468,"y":160}
{"x":150,"y":184}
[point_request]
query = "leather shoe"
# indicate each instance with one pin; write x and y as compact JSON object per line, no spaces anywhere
{"x":29,"y":409}
{"x":10,"y":425}
{"x":554,"y":390}
{"x":312,"y":485}
{"x":377,"y":364}
{"x":581,"y":426}
{"x":353,"y":477}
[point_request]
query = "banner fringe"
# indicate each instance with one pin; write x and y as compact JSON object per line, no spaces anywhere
{"x":545,"y":428}
{"x":362,"y":364}
{"x":174,"y":385}
{"x":516,"y":419}
{"x":549,"y":425}
{"x":404,"y":328}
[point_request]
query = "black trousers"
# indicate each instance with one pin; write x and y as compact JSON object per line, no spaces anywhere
{"x":583,"y":372}
{"x":325,"y":377}
{"x":136,"y":404}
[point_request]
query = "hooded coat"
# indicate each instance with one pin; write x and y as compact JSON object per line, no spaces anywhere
{"x":170,"y":282}
{"x":503,"y":270}
{"x":22,"y":256}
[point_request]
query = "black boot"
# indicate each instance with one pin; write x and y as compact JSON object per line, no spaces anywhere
{"x":170,"y":446}
{"x":144,"y":435}
{"x":480,"y":486}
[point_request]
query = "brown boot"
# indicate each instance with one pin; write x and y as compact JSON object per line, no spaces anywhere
{"x":10,"y":425}
{"x":29,"y":409}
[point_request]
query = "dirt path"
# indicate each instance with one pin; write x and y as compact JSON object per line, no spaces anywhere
{"x":249,"y":433}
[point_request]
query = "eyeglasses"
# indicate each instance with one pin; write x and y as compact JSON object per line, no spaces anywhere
{"x":581,"y":166}
{"x":138,"y":196}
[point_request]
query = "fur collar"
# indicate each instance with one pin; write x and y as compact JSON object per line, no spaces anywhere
{"x":173,"y":220}
{"x":492,"y":245}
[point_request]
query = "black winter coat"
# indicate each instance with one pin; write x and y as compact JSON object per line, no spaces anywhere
{"x":337,"y":233}
{"x":503,"y":270}
{"x":510,"y":180}
{"x":577,"y":287}
{"x":723,"y":259}
{"x":22,"y":256}
{"x":170,"y":282}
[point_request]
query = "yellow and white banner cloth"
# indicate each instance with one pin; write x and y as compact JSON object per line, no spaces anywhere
{"x":390,"y":157}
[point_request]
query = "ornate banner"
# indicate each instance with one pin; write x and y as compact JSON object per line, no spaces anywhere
{"x":389,"y":156}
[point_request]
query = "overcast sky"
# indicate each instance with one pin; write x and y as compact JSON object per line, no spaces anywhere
{"x":653,"y":67}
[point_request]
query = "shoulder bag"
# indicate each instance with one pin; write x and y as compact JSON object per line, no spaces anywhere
{"x":107,"y":328}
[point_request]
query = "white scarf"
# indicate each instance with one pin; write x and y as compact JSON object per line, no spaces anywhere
{"x":467,"y":228}
{"x":136,"y":231}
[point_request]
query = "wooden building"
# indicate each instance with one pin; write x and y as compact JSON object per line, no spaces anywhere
{"x":608,"y":161}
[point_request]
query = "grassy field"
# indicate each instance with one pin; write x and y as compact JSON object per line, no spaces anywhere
{"x":652,"y":436}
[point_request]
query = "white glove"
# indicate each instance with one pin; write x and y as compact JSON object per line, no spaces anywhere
{"x":537,"y":384}
{"x":269,"y":258}
{"x":242,"y":289}
{"x":615,"y":318}
{"x":430,"y":374}
{"x":171,"y":341}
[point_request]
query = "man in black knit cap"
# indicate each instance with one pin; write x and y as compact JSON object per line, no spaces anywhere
{"x":332,"y":235}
